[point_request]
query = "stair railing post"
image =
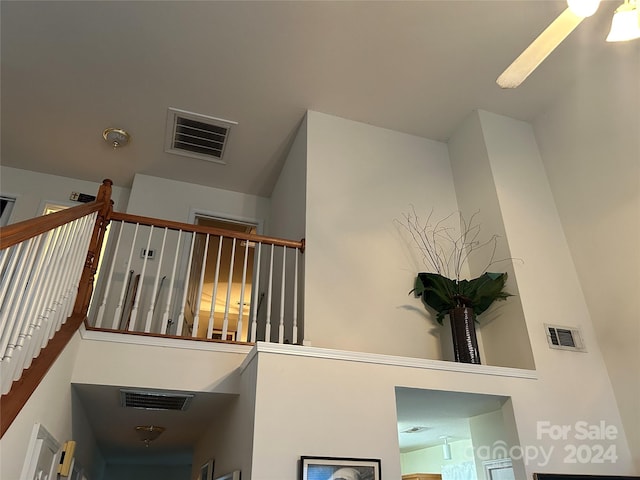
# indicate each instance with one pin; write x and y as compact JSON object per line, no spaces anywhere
{"x":85,"y":287}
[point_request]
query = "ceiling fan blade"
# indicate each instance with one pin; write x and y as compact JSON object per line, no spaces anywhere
{"x":540,"y":48}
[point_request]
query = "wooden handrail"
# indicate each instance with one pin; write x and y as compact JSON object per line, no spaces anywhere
{"x":188,"y":227}
{"x":19,"y":232}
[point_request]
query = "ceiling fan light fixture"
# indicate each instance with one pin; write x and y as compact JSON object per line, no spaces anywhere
{"x":446,"y":448}
{"x":626,"y":23}
{"x":116,"y":137}
{"x":583,"y":8}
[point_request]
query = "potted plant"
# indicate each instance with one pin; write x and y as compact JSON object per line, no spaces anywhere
{"x":444,"y":251}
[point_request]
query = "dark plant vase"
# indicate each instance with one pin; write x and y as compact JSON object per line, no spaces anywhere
{"x":463,"y":332}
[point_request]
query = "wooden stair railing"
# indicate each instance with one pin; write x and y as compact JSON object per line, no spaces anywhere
{"x":12,"y":402}
{"x":21,"y":390}
{"x":116,"y":311}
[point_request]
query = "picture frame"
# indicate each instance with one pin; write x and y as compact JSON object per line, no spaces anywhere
{"x":563,"y":476}
{"x":235,"y":475}
{"x":206,"y":470}
{"x":339,"y":468}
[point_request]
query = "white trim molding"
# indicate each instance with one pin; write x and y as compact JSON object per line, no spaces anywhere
{"x":380,"y":359}
{"x":303,"y":351}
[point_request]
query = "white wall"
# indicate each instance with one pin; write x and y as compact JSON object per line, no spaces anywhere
{"x":502,"y":330}
{"x":491,"y":441}
{"x":172,"y":200}
{"x":50,"y":405}
{"x":32,"y":190}
{"x":88,"y":455}
{"x":287,"y":220}
{"x":359,"y":269}
{"x":343,"y":407}
{"x":431,"y":459}
{"x":548,"y":284}
{"x":353,"y":270}
{"x":159,"y":366}
{"x":288,"y":199}
{"x":229,"y":439}
{"x":590,"y":144}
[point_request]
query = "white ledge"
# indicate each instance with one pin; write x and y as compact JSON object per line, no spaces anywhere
{"x":380,"y":359}
{"x":163,"y":342}
{"x":303,"y":351}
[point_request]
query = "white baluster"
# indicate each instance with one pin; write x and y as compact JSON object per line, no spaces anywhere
{"x":107,"y":288}
{"x":256,"y":289}
{"x":244,"y":283}
{"x":196,"y":318}
{"x":76,"y":260}
{"x":165,"y":314}
{"x":28,"y":306}
{"x":225,"y":322}
{"x":294,"y":338}
{"x":150,"y":312}
{"x":38,"y":327}
{"x":10,"y":341}
{"x":7,"y":280}
{"x":186,"y":287}
{"x":282,"y":292}
{"x":9,"y":318}
{"x":119,"y":307}
{"x":214,"y":290}
{"x":136,"y":301}
{"x":61,"y":269}
{"x":267,"y":334}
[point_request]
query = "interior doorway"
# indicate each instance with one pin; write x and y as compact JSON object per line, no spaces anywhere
{"x":456,"y":435}
{"x":207,"y":293}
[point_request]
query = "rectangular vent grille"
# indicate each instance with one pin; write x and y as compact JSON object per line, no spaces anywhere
{"x":149,"y":400}
{"x":564,"y":338}
{"x":197,"y":136}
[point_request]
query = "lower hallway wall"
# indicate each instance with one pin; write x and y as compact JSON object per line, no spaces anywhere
{"x":229,"y":439}
{"x":345,"y":407}
{"x":50,"y":405}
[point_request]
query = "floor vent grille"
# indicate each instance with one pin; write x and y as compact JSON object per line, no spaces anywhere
{"x":153,"y":400}
{"x":565,"y":338}
{"x":198,"y":136}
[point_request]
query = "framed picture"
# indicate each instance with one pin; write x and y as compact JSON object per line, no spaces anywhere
{"x":336,"y":468}
{"x":235,"y":475}
{"x":554,"y":476}
{"x":206,"y":471}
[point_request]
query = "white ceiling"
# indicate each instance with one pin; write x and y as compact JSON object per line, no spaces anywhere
{"x":71,"y":69}
{"x":442,"y":413}
{"x":114,"y":425}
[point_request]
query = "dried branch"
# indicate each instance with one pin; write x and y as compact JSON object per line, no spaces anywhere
{"x":444,"y":249}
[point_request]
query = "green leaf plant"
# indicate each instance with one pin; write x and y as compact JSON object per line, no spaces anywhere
{"x":444,"y":251}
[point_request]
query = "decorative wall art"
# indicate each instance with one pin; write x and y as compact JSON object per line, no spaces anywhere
{"x":337,"y":468}
{"x":206,"y":470}
{"x":235,"y":475}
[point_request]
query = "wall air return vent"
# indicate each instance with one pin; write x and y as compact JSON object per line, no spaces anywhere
{"x":154,"y":400}
{"x":565,"y":338}
{"x":197,"y":136}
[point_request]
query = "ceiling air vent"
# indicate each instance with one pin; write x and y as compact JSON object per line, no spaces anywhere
{"x":197,"y":136}
{"x":565,"y":338}
{"x":153,"y":400}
